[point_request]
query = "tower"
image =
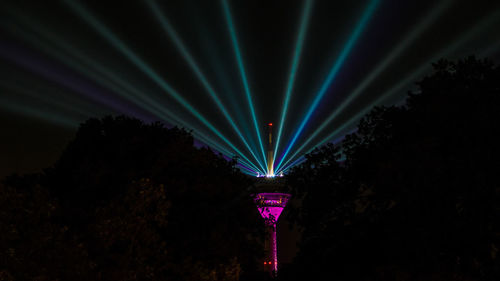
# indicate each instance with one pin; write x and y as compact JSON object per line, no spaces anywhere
{"x":270,"y":206}
{"x":270,"y":201}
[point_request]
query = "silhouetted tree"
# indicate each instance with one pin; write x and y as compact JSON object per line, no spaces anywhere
{"x":416,"y":196}
{"x":131,"y":201}
{"x":32,"y":246}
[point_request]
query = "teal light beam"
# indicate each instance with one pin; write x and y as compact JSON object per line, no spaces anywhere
{"x":333,"y":73}
{"x":130,"y":55}
{"x":37,"y":95}
{"x":294,"y":163}
{"x":358,"y":116}
{"x":239,"y":60}
{"x":99,"y":73}
{"x":393,"y":54}
{"x":167,"y":27}
{"x":213,"y":144}
{"x":306,"y":12}
{"x":411,"y":77}
{"x":51,"y":117}
{"x":395,"y":89}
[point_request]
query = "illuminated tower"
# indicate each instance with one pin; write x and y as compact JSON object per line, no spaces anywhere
{"x":270,"y":202}
{"x":270,"y":206}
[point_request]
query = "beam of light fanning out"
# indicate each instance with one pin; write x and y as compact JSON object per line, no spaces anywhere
{"x":332,"y":74}
{"x":50,"y":117}
{"x":385,"y":62}
{"x":306,"y":11}
{"x":167,"y":27}
{"x":97,"y":72}
{"x":137,"y":61}
{"x":243,"y":75}
{"x":407,"y":80}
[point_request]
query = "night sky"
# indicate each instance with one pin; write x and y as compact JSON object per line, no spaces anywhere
{"x":64,"y":62}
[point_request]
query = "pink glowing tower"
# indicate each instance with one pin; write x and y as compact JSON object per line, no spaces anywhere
{"x":270,"y":204}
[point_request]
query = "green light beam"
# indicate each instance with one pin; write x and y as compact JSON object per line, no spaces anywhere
{"x":298,"y":161}
{"x":98,"y":72}
{"x":349,"y":45}
{"x":306,"y":12}
{"x":393,"y":54}
{"x":167,"y":27}
{"x":360,"y":114}
{"x":239,"y":60}
{"x":53,"y":118}
{"x":407,"y":80}
{"x":39,"y":97}
{"x":138,"y":62}
{"x":222,"y":150}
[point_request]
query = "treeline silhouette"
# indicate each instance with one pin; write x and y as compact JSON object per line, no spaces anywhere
{"x":413,"y":194}
{"x":130,"y":201}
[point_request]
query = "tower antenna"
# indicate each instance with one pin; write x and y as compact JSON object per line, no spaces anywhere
{"x":270,"y":151}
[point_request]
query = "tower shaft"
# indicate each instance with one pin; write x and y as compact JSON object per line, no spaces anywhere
{"x":270,"y":206}
{"x":274,"y":250}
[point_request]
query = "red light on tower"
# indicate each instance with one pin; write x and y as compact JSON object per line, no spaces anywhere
{"x":270,"y":124}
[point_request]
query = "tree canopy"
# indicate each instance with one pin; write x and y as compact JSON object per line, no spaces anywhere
{"x":413,"y":193}
{"x":131,"y":201}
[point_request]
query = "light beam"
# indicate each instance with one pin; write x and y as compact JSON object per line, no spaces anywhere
{"x":333,"y":73}
{"x":167,"y":27}
{"x":130,"y":55}
{"x":385,"y":62}
{"x":411,"y":77}
{"x":306,"y":12}
{"x":246,"y":87}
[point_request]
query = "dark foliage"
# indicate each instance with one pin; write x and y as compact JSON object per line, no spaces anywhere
{"x":416,"y":196}
{"x":129,"y":201}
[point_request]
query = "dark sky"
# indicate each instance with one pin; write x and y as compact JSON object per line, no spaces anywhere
{"x":52,"y":63}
